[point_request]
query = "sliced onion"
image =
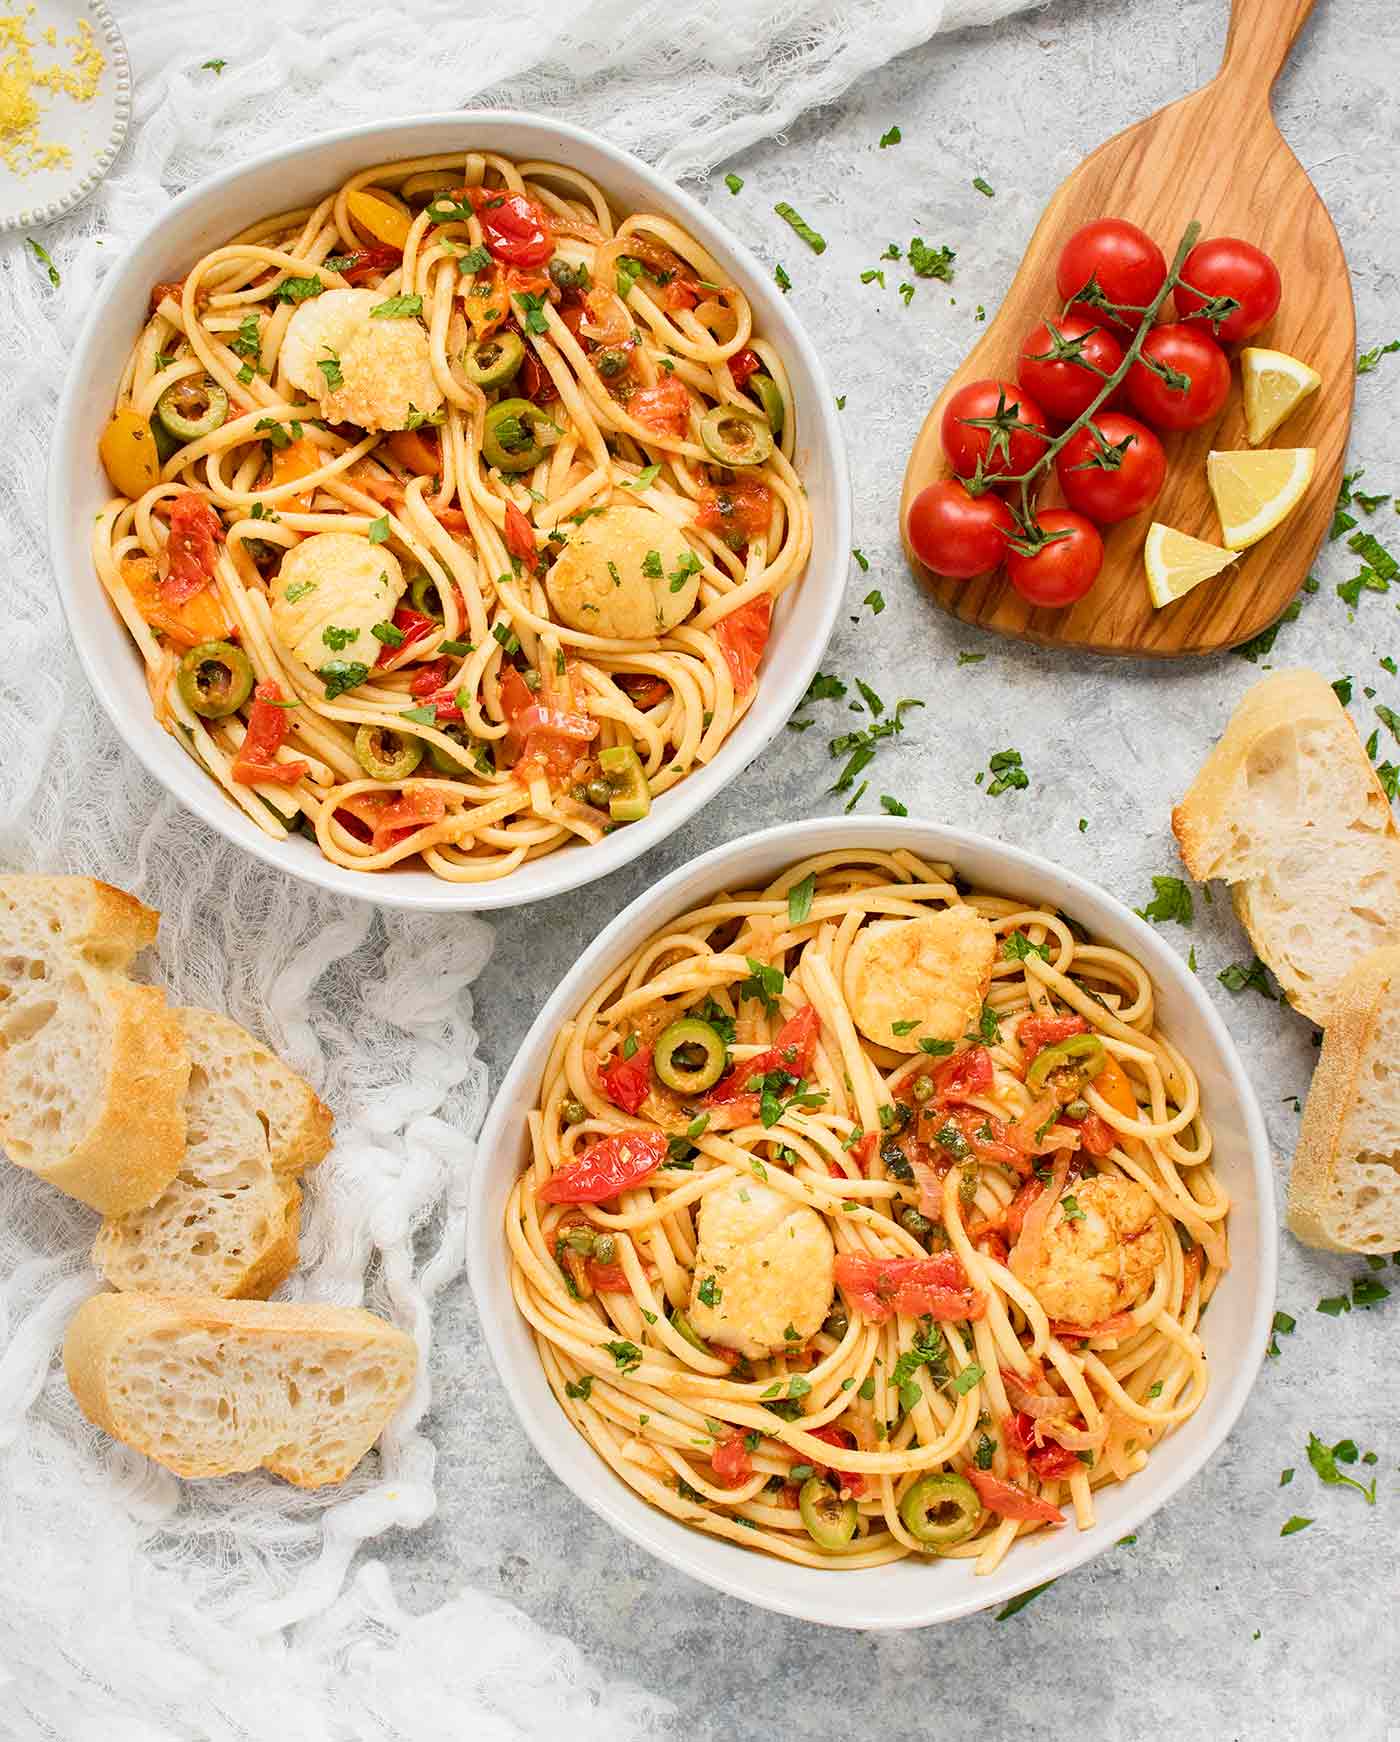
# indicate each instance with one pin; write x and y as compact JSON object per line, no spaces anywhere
{"x":557,"y":723}
{"x":1032,"y":1403}
{"x":605,"y":319}
{"x":1037,"y":1217}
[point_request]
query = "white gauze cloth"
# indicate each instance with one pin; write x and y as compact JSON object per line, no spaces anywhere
{"x":135,"y":1608}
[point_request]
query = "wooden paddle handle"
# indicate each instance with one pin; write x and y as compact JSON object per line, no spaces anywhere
{"x":1261,"y":34}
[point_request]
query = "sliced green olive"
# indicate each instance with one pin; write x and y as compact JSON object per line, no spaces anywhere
{"x":192,"y":408}
{"x":215,"y":678}
{"x":689,"y":1055}
{"x":445,"y":762}
{"x":1084,"y":1052}
{"x":940,"y":1510}
{"x":423,"y":596}
{"x":771,"y":400}
{"x":629,"y":796}
{"x":830,"y":1520}
{"x":385,"y":754}
{"x":736,"y":437}
{"x":681,"y":1324}
{"x":494,"y":361}
{"x":517,"y":434}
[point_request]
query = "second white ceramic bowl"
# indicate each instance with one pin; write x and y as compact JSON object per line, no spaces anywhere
{"x":910,"y":1593}
{"x":298,"y":174}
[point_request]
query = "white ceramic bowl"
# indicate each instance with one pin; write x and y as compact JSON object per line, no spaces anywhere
{"x":911,"y":1593}
{"x":217,"y":209}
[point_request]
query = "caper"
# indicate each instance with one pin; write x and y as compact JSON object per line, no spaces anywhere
{"x":215,"y":678}
{"x":565,"y":277}
{"x":598,"y":793}
{"x":1077,"y":1110}
{"x":923,"y":1088}
{"x":836,"y":1323}
{"x":579,"y":1238}
{"x":385,"y":754}
{"x":573,"y":1111}
{"x":604,"y":1248}
{"x":914,"y":1222}
{"x":613,"y":361}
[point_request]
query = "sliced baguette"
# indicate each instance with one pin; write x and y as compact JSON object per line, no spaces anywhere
{"x":93,"y":1067}
{"x":1344,"y":1194}
{"x":213,"y":1387}
{"x":227,"y":1224}
{"x":1287,"y":810}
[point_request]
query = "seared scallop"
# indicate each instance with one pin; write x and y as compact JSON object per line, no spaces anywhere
{"x":907,"y":980}
{"x":330,"y":591}
{"x":1098,"y":1252}
{"x":368,"y":369}
{"x":764,"y":1270}
{"x":626,"y":573}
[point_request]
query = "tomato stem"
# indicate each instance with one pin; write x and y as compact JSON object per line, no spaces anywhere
{"x":1110,"y":382}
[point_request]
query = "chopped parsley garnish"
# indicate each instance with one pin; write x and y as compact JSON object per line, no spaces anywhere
{"x":733,"y":182}
{"x":298,"y":289}
{"x":800,"y":899}
{"x":860,"y":747}
{"x":627,"y":1355}
{"x":460,"y":649}
{"x":1017,"y":946}
{"x":212,"y":66}
{"x":246,"y":343}
{"x":379,"y":529}
{"x":709,"y":1292}
{"x":275,"y":433}
{"x":341,"y":675}
{"x":984,"y":187}
{"x":1171,"y":900}
{"x":938,"y":1049}
{"x":876,"y":601}
{"x":339,"y":639}
{"x":1367,"y":361}
{"x":926,"y":262}
{"x":970,"y":658}
{"x":781,"y":279}
{"x":1237,"y":977}
{"x":908,"y":1026}
{"x":397,"y":308}
{"x":1015,"y":1606}
{"x":765,"y":983}
{"x":906,"y":291}
{"x":687,"y":566}
{"x":644,"y":479}
{"x":1294,"y":1525}
{"x":473,"y":260}
{"x":893,"y":806}
{"x":581,"y":1390}
{"x":419,"y":716}
{"x":891,"y":137}
{"x":872,"y":275}
{"x":862,"y":560}
{"x":968,"y":1378}
{"x":298,"y":590}
{"x":790,"y":215}
{"x":1325,"y":1459}
{"x":1284,"y":1326}
{"x":1007,"y":772}
{"x":532,"y":309}
{"x":330,"y":368}
{"x":824,"y":687}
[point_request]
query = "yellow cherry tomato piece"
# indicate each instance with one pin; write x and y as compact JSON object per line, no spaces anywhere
{"x":128,"y":450}
{"x":384,"y":222}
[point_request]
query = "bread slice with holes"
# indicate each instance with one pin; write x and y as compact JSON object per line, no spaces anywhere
{"x":1288,"y":811}
{"x":1344,"y":1194}
{"x":227,"y":1224}
{"x":93,"y":1067}
{"x":212,"y":1387}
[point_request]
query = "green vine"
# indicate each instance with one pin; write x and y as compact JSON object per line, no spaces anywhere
{"x":1001,"y":427}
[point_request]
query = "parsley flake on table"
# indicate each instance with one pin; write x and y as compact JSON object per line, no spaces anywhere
{"x":41,"y":254}
{"x":1367,"y":361}
{"x":862,"y":560}
{"x":872,"y":275}
{"x":212,"y":66}
{"x":781,"y":279}
{"x":926,"y":262}
{"x":1015,"y":1606}
{"x":984,"y":187}
{"x":791,"y":216}
{"x":1237,"y":977}
{"x":875,"y":599}
{"x":1294,"y":1525}
{"x":1325,"y":1459}
{"x":891,"y":136}
{"x":893,"y":806}
{"x":824,"y":687}
{"x":1008,"y":773}
{"x":970,"y":658}
{"x":1171,"y":900}
{"x":733,"y":182}
{"x":1342,"y":688}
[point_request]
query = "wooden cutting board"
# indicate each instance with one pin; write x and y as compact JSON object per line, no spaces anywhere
{"x":1218,"y":157}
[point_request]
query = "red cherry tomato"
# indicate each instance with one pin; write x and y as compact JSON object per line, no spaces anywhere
{"x":1063,"y":570}
{"x":1114,"y":478}
{"x":1050,"y":369}
{"x":957,"y":534}
{"x":1199,"y":383}
{"x":1226,"y":266}
{"x":996,"y":423}
{"x":516,"y":229}
{"x":1123,"y":261}
{"x":605,"y":1169}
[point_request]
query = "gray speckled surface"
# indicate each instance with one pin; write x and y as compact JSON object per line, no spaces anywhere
{"x":1211,"y":1624}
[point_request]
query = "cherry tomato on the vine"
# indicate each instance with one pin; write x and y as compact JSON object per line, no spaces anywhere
{"x":1113,"y":477}
{"x":996,"y":423}
{"x":1226,"y":266}
{"x":957,"y":534}
{"x":1062,"y":569}
{"x":1063,"y":362}
{"x":1123,"y":261}
{"x":1197,"y":381}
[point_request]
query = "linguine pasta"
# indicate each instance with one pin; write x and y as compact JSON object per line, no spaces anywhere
{"x":919,"y":1267}
{"x":451,"y":513}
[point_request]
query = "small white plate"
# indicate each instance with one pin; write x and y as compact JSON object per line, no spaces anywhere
{"x":92,"y":131}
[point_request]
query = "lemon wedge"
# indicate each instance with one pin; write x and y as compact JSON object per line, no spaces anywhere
{"x":1176,"y":562}
{"x":1256,"y":488}
{"x":1275,"y":385}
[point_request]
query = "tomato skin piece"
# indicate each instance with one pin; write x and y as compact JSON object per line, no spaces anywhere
{"x":1124,"y":261}
{"x":743,"y":364}
{"x":844,"y":1440}
{"x":192,"y":548}
{"x":731,"y":1462}
{"x":966,"y":1074}
{"x":1017,"y":449}
{"x":881,"y":1287}
{"x":1227,"y":266}
{"x":256,"y":761}
{"x":1189,"y":349}
{"x":1061,"y":572}
{"x":413,"y":626}
{"x":1110,"y":493}
{"x":514,"y":228}
{"x":957,"y":534}
{"x":742,"y":637}
{"x":1035,"y":1033}
{"x":664,"y":408}
{"x":605,"y":1169}
{"x":378,"y":257}
{"x":792,"y":1051}
{"x":738,"y":512}
{"x":1051,"y":1461}
{"x":627,"y":1081}
{"x":1010,"y":1501}
{"x":520,"y":537}
{"x":1065,"y":388}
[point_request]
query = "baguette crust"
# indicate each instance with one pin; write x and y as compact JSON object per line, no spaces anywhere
{"x":1288,"y":810}
{"x":99,"y":924}
{"x":210,"y":1387}
{"x":1341,"y":1201}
